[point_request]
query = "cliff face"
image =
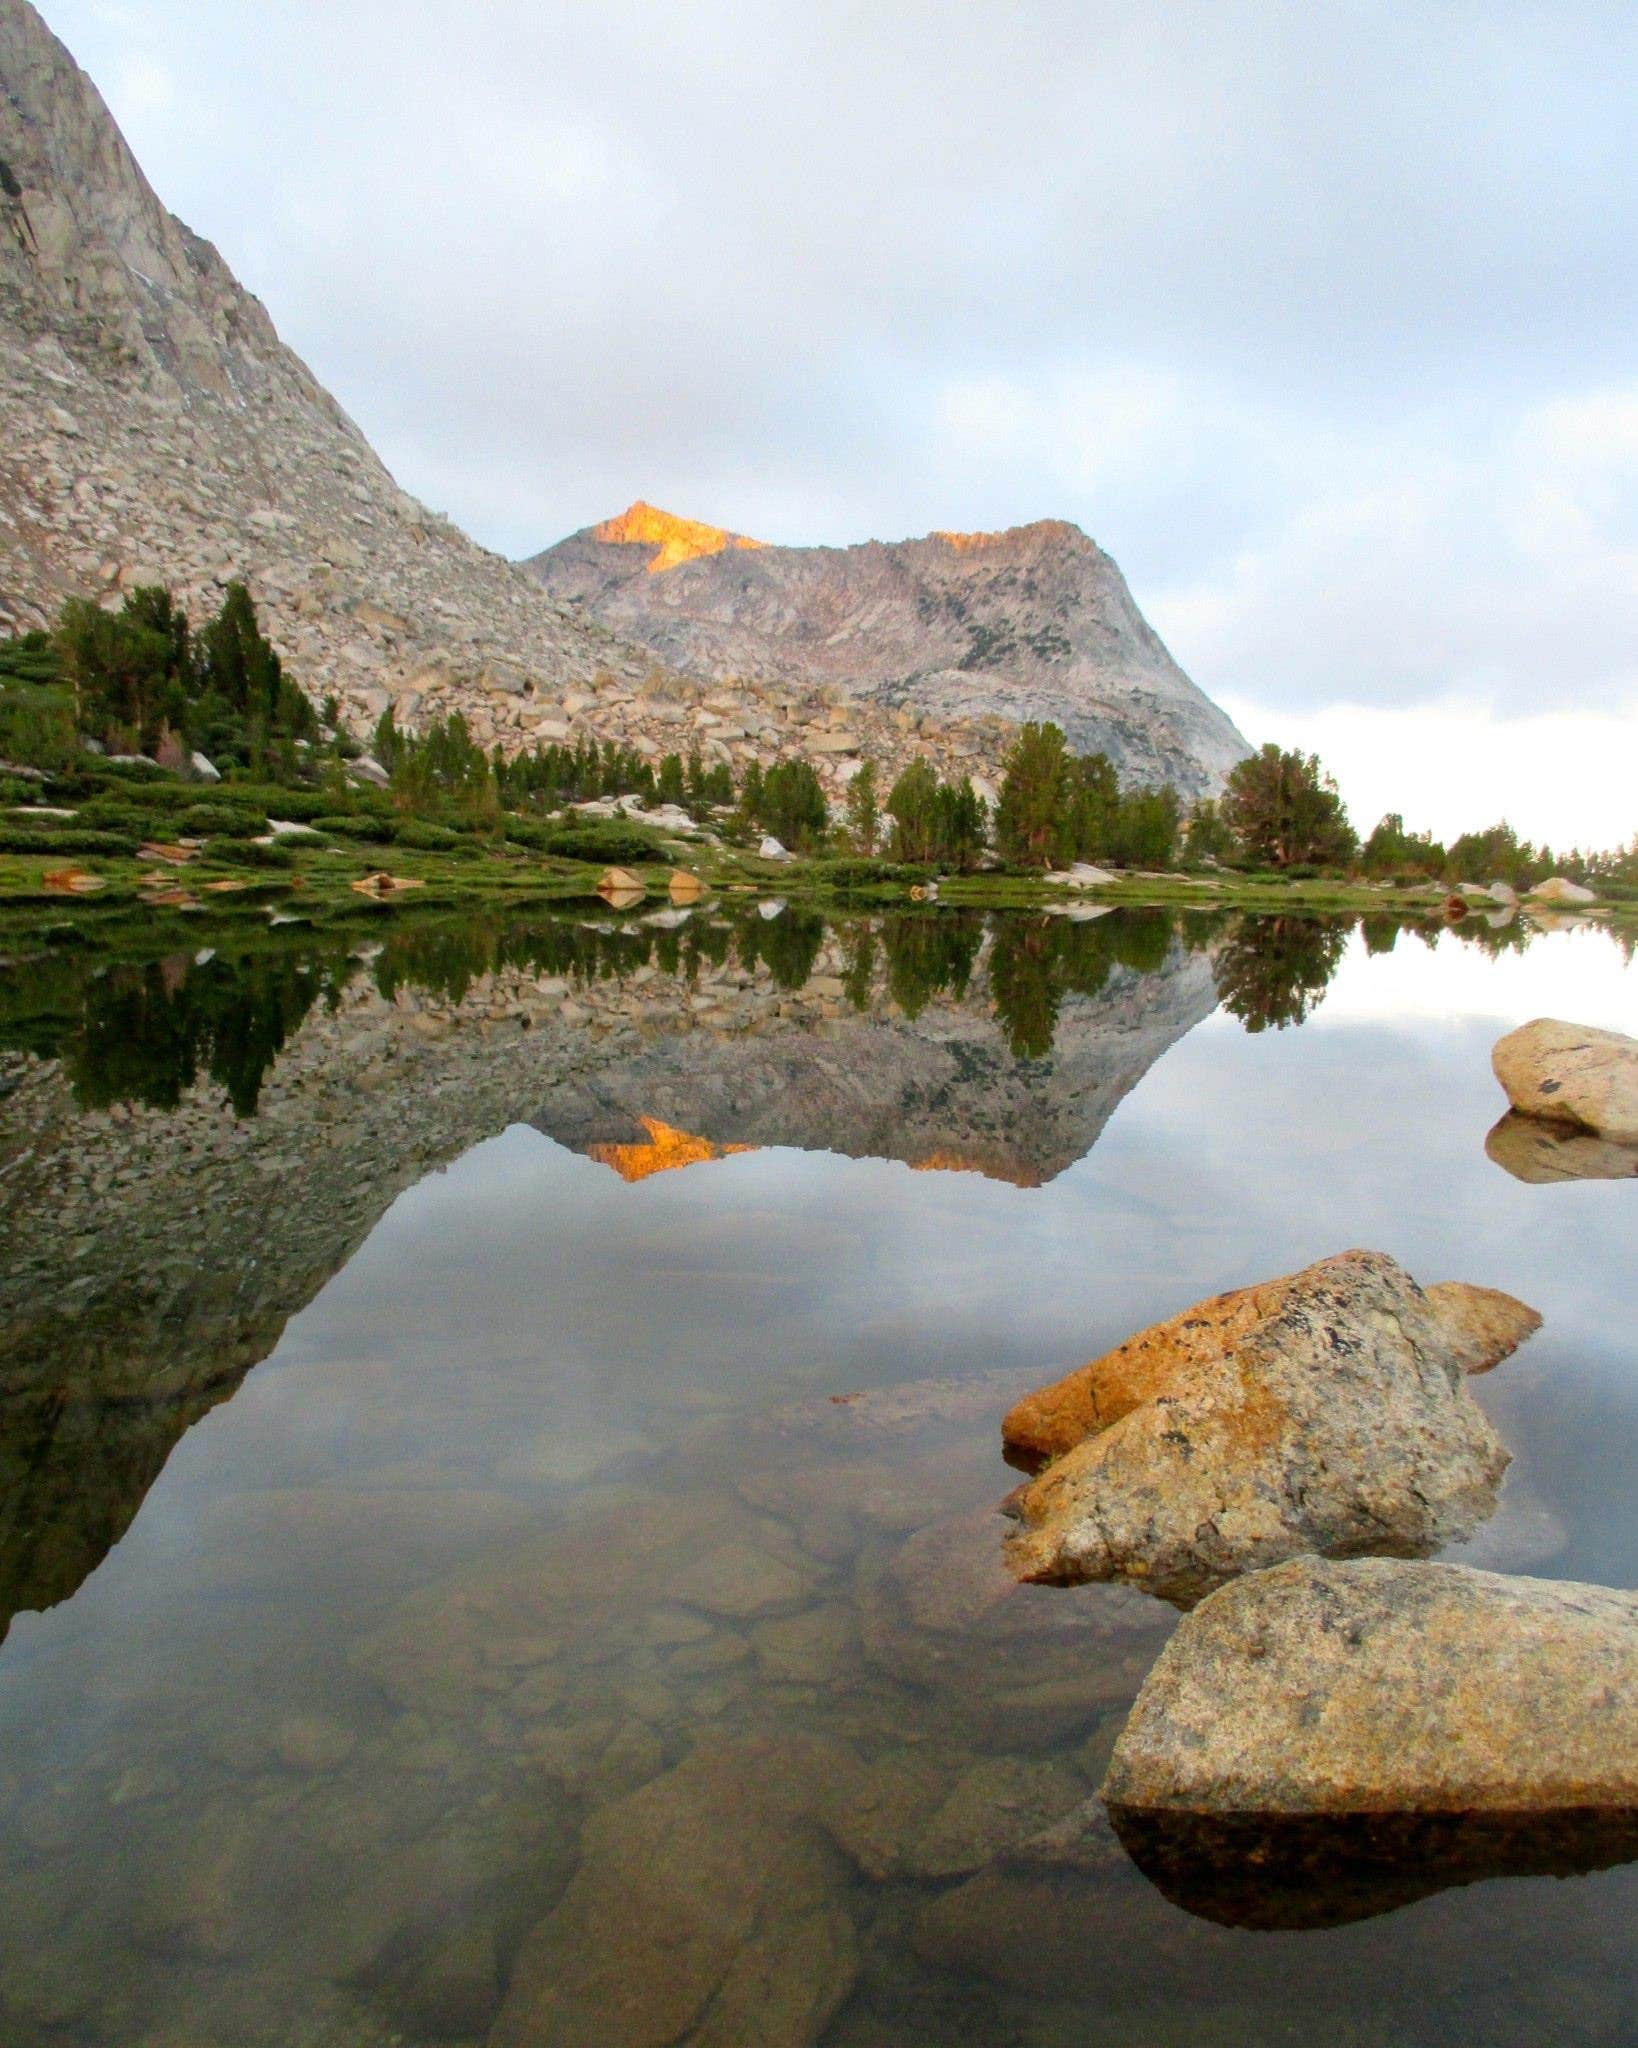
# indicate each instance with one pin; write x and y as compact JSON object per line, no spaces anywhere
{"x":1036,"y":622}
{"x":156,"y":429}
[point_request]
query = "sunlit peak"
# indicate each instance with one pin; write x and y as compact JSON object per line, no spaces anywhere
{"x":675,"y":540}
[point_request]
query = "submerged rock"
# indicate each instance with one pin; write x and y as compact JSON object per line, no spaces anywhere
{"x":706,"y":1909}
{"x":1380,"y":1687}
{"x":1324,"y":1412}
{"x":1541,"y":1153}
{"x":1572,"y":1074}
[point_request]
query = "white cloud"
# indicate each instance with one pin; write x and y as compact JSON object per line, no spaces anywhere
{"x":1499,"y":563}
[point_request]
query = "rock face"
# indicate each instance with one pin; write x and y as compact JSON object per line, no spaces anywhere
{"x":156,"y":429}
{"x":1325,"y":1412}
{"x":1572,"y":1074}
{"x":1036,"y":622}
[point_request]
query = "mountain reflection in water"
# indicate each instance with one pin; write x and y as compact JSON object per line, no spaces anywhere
{"x":544,"y":1572}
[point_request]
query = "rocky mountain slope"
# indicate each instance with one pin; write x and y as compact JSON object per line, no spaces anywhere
{"x":1036,"y":622}
{"x":156,"y":429}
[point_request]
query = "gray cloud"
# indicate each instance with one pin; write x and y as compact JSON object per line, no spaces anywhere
{"x":1275,"y":300}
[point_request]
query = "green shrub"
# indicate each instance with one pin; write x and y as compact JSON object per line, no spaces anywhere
{"x":593,"y":840}
{"x":860,"y":873}
{"x":54,"y":836}
{"x":249,"y":853}
{"x":425,"y":838}
{"x":115,"y":814}
{"x":373,"y":829}
{"x":221,"y":821}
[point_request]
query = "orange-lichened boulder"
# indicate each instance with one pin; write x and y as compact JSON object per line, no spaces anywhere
{"x":1324,"y":1412}
{"x":1482,"y":1325}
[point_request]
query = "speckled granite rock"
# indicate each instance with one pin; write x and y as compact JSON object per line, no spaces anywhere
{"x":1572,"y":1074}
{"x":1335,"y":1419}
{"x":1381,"y":1686}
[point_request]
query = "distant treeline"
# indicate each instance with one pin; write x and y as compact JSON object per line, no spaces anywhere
{"x":143,"y":680}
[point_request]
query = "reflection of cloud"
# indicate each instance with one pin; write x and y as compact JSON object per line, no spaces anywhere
{"x":664,"y":1151}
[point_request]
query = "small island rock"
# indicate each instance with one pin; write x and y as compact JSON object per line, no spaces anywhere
{"x":1325,"y":1412}
{"x":1572,"y":1074}
{"x":1384,"y":1687}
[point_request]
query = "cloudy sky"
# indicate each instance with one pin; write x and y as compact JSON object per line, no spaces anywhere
{"x":1321,"y":319}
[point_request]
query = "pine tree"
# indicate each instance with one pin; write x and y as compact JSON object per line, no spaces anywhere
{"x":863,"y":816}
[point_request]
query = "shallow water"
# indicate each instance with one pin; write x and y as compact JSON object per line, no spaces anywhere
{"x":483,"y":1567}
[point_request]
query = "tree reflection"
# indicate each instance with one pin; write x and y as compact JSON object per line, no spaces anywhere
{"x":1037,"y":961}
{"x":1274,"y":971}
{"x":930,"y":954}
{"x":147,"y":1032}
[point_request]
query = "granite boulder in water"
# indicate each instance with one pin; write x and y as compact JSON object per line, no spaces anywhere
{"x":1325,"y":1412}
{"x":1325,"y":1740}
{"x":1572,"y":1074}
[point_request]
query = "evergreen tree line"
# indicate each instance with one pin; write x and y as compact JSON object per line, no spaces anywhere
{"x":143,"y":680}
{"x":1282,"y":810}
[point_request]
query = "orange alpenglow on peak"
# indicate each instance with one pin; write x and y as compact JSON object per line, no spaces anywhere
{"x":675,"y":540}
{"x":664,"y":1151}
{"x":966,"y":543}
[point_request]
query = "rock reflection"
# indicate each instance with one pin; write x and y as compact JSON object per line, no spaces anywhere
{"x":1542,"y":1153}
{"x":1306,"y":1871}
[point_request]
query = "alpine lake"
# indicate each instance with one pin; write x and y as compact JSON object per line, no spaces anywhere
{"x":499,"y":1460}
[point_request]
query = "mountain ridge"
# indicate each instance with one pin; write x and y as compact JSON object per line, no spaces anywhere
{"x":1034,"y":621}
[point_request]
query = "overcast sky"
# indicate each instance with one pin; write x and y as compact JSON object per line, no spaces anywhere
{"x":1321,"y":319}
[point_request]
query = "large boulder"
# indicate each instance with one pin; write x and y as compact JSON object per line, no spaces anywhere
{"x":1572,"y":1074}
{"x":1482,"y":1325}
{"x":1560,"y":889}
{"x":1325,"y":1412}
{"x":1325,"y":1740}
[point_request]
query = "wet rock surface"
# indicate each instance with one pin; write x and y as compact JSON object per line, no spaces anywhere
{"x":1326,"y":1412}
{"x":1572,"y":1074}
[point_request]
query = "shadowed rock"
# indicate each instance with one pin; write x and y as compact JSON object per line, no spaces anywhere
{"x":1572,"y":1074}
{"x":1301,"y":1871}
{"x":1326,"y":1412}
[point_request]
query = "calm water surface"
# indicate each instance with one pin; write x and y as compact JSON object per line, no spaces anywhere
{"x":499,"y":1448}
